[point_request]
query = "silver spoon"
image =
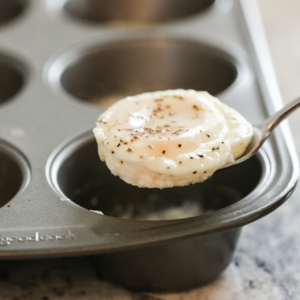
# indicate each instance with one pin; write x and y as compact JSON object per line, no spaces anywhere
{"x":263,"y":130}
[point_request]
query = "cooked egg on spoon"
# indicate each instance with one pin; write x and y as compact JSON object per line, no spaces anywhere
{"x":170,"y":138}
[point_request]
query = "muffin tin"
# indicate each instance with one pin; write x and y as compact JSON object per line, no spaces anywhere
{"x":61,"y":64}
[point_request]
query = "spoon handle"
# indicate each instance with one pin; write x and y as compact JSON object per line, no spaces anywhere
{"x":271,"y":123}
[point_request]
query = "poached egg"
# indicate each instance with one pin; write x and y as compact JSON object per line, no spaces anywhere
{"x":170,"y":138}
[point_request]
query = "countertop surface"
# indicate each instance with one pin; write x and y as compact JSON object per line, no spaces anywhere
{"x":266,"y":264}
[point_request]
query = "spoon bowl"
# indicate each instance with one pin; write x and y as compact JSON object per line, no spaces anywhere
{"x":262,"y":131}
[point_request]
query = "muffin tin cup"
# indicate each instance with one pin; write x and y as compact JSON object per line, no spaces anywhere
{"x":77,"y":174}
{"x":130,"y":12}
{"x":12,"y":77}
{"x":14,"y":172}
{"x":11,"y":9}
{"x":104,"y":73}
{"x":57,"y":188}
{"x":73,"y":174}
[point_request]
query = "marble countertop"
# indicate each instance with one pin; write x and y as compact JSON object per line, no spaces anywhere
{"x":266,"y":263}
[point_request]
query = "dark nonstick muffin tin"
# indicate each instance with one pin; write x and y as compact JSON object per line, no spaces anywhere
{"x":61,"y":64}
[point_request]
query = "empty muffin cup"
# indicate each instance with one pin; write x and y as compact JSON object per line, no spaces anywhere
{"x":169,"y":263}
{"x":14,"y":172}
{"x":12,"y":77}
{"x":11,"y":9}
{"x":106,"y":73}
{"x":133,"y":12}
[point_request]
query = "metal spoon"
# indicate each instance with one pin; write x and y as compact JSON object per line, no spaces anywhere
{"x":263,"y":130}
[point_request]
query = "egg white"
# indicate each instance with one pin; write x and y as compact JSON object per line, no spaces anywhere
{"x":170,"y":138}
